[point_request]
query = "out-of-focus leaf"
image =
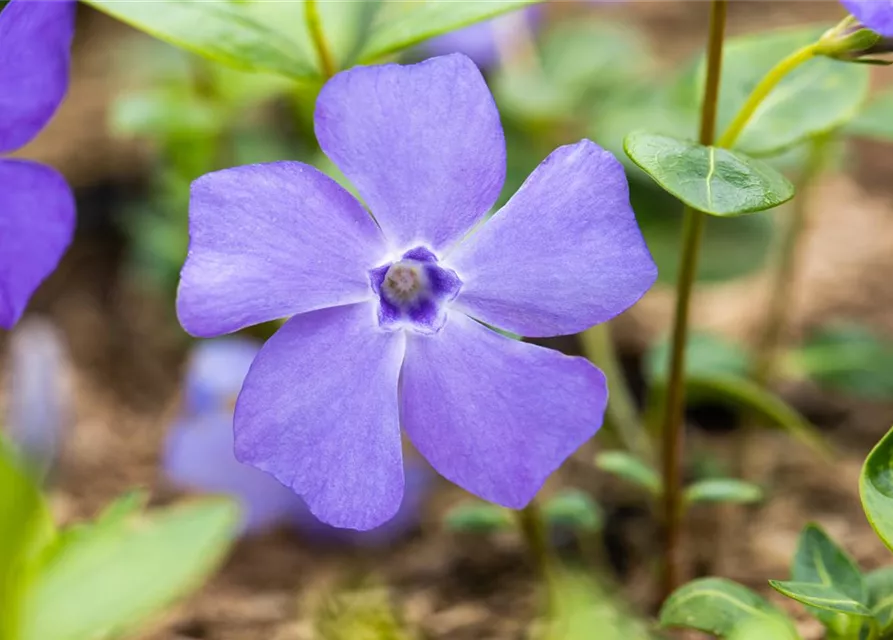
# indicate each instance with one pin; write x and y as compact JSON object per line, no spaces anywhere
{"x":165,"y":114}
{"x":876,"y":488}
{"x":401,"y":24}
{"x":221,"y":30}
{"x":821,"y":598}
{"x":720,"y":607}
{"x":705,"y":354}
{"x":359,"y":612}
{"x":763,"y":629}
{"x":819,"y":561}
{"x":849,"y":358}
{"x":766,"y":406}
{"x":631,"y":469}
{"x":111,"y":578}
{"x":723,"y":490}
{"x":25,"y":532}
{"x":874,"y":121}
{"x":709,"y":179}
{"x":574,"y":509}
{"x":880,"y":597}
{"x":819,"y":96}
{"x":478,"y":517}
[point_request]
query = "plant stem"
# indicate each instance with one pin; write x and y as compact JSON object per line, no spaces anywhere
{"x":785,"y":270}
{"x":314,"y":23}
{"x":533,"y":529}
{"x":622,"y":414}
{"x":673,"y":432}
{"x":759,"y":93}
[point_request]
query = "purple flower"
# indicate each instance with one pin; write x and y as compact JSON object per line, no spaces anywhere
{"x":388,"y":314}
{"x":480,"y":41}
{"x":40,"y":396}
{"x":877,"y":15}
{"x":199,"y":453}
{"x":36,"y":205}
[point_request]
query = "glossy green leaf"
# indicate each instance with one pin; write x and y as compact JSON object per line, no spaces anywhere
{"x":720,"y":607}
{"x":111,"y":578}
{"x":25,"y":532}
{"x":478,"y":517}
{"x":821,"y":597}
{"x":876,"y":488}
{"x":226,"y":31}
{"x":705,"y":354}
{"x":630,"y":468}
{"x":401,"y":24}
{"x":709,"y":179}
{"x":574,"y":509}
{"x":880,"y":597}
{"x":875,"y":119}
{"x":766,"y":406}
{"x":819,"y":96}
{"x":723,"y":490}
{"x":849,"y":358}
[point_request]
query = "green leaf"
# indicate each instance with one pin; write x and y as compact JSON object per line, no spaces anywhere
{"x":874,"y":121}
{"x":723,"y":490}
{"x":766,"y":406}
{"x":226,"y":31}
{"x":709,"y":179}
{"x":762,"y":629}
{"x":478,"y":517}
{"x":574,"y":510}
{"x":849,"y":358}
{"x":631,"y":469}
{"x":111,"y":578}
{"x":402,"y":24}
{"x":165,"y":114}
{"x":822,"y":597}
{"x":720,"y":607}
{"x":26,"y":530}
{"x":876,"y":488}
{"x":880,"y":597}
{"x":705,"y":354}
{"x":820,"y":561}
{"x":817,"y":97}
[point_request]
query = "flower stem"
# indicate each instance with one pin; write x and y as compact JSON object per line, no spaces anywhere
{"x":785,"y":271}
{"x":759,"y":93}
{"x":314,"y":23}
{"x":622,"y":414}
{"x":673,"y":432}
{"x":533,"y":529}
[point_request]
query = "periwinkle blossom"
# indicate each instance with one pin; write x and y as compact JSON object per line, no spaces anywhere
{"x":199,"y":454}
{"x":877,"y":15}
{"x":387,"y":314}
{"x":36,"y":205}
{"x":40,"y":398}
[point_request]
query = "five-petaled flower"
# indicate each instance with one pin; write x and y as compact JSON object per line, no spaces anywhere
{"x":387,"y":313}
{"x":877,"y":15}
{"x":199,"y":454}
{"x":36,"y":205}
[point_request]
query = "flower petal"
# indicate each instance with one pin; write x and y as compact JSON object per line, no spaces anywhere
{"x":36,"y":226}
{"x":199,"y":456}
{"x":565,"y":253}
{"x":271,"y":240}
{"x":318,"y":411}
{"x":877,"y":15}
{"x":494,"y":415}
{"x":216,"y":371}
{"x":35,"y":48}
{"x":422,"y":144}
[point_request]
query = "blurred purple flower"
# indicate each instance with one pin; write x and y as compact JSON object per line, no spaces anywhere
{"x":877,"y":15}
{"x":199,"y":454}
{"x":387,"y":317}
{"x":36,"y":205}
{"x":40,"y":395}
{"x":480,"y":41}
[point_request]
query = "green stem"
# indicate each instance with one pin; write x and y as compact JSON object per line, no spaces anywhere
{"x":533,"y":529}
{"x":759,"y":93}
{"x":311,"y":12}
{"x":785,"y":270}
{"x":622,"y":415}
{"x":673,"y":431}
